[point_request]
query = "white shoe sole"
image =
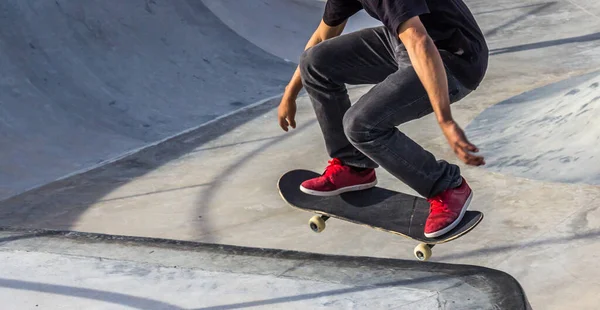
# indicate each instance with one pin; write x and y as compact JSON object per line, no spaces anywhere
{"x":451,"y":226}
{"x":339,"y":191}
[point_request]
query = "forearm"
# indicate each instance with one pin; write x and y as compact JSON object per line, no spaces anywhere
{"x":295,"y":86}
{"x":428,"y":64}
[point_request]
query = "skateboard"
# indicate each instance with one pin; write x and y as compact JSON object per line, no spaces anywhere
{"x":376,"y":207}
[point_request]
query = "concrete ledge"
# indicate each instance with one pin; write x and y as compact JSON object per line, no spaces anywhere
{"x":448,"y":286}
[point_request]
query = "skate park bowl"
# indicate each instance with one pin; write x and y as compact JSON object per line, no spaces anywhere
{"x":549,"y":133}
{"x":138,"y":136}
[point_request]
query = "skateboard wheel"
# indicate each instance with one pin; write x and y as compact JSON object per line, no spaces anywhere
{"x":422,"y":252}
{"x":317,"y":224}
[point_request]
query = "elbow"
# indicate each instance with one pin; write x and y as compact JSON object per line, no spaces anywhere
{"x":417,"y":42}
{"x":414,"y":36}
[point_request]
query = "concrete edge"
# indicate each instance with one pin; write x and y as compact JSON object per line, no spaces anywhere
{"x":503,"y":291}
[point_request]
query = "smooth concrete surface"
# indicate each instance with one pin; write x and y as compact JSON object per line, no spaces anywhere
{"x":114,"y":272}
{"x":550,"y":133}
{"x":279,"y":27}
{"x":217,"y":184}
{"x":84,"y":82}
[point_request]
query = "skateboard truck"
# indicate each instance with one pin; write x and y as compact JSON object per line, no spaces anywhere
{"x":422,"y":251}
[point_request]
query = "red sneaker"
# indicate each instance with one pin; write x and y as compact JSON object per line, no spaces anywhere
{"x":447,"y":210}
{"x":339,"y":178}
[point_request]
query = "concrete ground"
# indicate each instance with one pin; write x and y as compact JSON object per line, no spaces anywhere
{"x":217,"y":183}
{"x":85,"y":82}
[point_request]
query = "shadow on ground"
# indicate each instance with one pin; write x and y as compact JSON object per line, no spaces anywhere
{"x":59,"y":204}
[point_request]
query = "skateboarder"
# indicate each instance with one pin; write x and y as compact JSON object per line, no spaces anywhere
{"x":426,"y":55}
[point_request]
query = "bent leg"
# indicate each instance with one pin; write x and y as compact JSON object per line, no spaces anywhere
{"x":370,"y":126}
{"x":362,"y":57}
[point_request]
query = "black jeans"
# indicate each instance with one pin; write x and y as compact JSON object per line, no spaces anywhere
{"x":365,"y":134}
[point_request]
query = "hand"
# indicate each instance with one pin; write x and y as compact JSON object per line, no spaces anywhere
{"x":287,"y":113}
{"x":460,"y":145}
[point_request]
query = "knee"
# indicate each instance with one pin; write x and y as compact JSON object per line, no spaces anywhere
{"x":306,"y":60}
{"x":356,"y":127}
{"x":314,"y":60}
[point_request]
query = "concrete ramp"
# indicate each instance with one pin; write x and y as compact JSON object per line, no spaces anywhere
{"x":281,"y":28}
{"x":549,"y":133}
{"x":85,"y":82}
{"x":139,"y":273}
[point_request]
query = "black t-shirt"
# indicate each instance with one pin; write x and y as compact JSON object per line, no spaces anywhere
{"x":449,"y":23}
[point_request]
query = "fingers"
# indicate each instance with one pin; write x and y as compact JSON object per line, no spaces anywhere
{"x":283,"y":123}
{"x":286,"y":113}
{"x":465,"y":144}
{"x":472,"y":160}
{"x":468,"y":158}
{"x":462,"y":147}
{"x":291,"y":116}
{"x":475,"y":160}
{"x":471,"y":148}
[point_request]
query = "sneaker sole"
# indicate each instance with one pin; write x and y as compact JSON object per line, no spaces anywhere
{"x":453,"y":224}
{"x":338,"y":191}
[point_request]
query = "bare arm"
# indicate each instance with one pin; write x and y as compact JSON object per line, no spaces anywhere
{"x":287,"y":107}
{"x":428,"y":64}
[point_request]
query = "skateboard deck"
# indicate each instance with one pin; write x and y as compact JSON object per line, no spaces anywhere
{"x":378,"y":208}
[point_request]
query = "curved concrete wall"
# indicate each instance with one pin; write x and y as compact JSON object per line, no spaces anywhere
{"x":83,"y":82}
{"x":281,"y":28}
{"x":549,"y":133}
